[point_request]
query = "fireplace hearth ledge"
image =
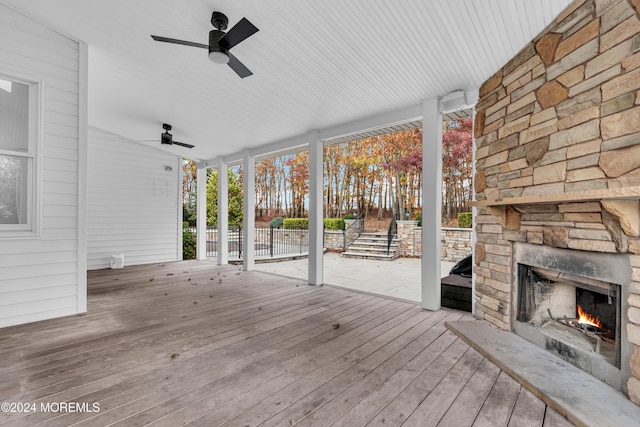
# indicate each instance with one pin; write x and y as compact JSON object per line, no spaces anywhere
{"x":581,"y":398}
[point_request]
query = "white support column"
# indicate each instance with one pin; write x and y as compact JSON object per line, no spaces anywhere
{"x":249,"y":209}
{"x":474,"y":211}
{"x":223,"y":214}
{"x":431,"y":202}
{"x":201,"y":215}
{"x":316,"y":226}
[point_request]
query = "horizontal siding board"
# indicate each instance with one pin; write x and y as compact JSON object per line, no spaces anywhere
{"x":53,"y":152}
{"x":46,"y":51}
{"x":60,"y":199}
{"x":133,"y":202}
{"x":41,"y":258}
{"x":51,"y":128}
{"x":29,"y":283}
{"x":141,"y":251}
{"x":60,"y":95}
{"x":42,"y":314}
{"x":109,"y":238}
{"x":38,"y":276}
{"x":65,"y":241}
{"x":61,"y":211}
{"x":59,"y":141}
{"x":61,"y":106}
{"x":55,"y":166}
{"x":56,"y":236}
{"x":36,"y":308}
{"x":154,"y":220}
{"x":24,"y":25}
{"x":60,"y":222}
{"x":37,"y":295}
{"x":38,"y":270}
{"x":61,"y":118}
{"x":60,"y":187}
{"x":58,"y":77}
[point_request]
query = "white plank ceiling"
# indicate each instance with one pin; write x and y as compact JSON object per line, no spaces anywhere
{"x":316,"y":63}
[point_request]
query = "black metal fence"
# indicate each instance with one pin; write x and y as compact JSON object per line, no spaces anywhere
{"x":269,"y":242}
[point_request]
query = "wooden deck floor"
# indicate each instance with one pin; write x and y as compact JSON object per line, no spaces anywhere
{"x":193,"y":343}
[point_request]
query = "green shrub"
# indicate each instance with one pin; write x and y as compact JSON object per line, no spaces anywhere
{"x":419,"y":219}
{"x":296,"y":223}
{"x":188,"y":244}
{"x":465,"y":220}
{"x":349,"y":216}
{"x":185,"y":224}
{"x":276,"y":222}
{"x":334,"y":223}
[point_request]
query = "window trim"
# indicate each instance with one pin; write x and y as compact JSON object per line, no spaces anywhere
{"x":34,"y":155}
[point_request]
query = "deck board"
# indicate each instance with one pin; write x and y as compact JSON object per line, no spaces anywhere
{"x":199,"y":344}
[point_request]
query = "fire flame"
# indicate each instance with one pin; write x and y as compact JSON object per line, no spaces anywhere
{"x":587,"y":319}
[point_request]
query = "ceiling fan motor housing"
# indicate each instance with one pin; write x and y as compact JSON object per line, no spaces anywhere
{"x":166,"y":138}
{"x":217,"y":53}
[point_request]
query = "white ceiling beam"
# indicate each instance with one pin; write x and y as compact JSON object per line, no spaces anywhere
{"x":300,"y":142}
{"x":280,"y":147}
{"x":377,"y":121}
{"x":288,"y":145}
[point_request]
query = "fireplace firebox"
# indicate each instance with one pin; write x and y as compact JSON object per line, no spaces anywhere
{"x":572,"y":303}
{"x":580,"y":317}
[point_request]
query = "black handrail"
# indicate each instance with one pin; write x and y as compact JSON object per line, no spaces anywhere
{"x":391,"y":232}
{"x":353,"y":231}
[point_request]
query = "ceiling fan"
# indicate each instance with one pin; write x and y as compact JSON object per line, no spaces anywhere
{"x":167,"y":139}
{"x":220,"y":42}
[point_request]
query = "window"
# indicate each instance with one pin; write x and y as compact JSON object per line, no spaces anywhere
{"x":18,"y":144}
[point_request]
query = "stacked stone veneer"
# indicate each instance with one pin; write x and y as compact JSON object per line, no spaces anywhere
{"x":562,"y":116}
{"x":334,"y":240}
{"x":455,"y":243}
{"x":410,"y":239}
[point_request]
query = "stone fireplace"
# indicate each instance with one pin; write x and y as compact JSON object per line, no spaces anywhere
{"x":557,"y":186}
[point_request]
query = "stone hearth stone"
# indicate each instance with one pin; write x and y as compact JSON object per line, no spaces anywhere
{"x":581,"y":398}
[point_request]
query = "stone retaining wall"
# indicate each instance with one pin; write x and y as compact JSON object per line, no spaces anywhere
{"x":455,"y":243}
{"x":334,"y":240}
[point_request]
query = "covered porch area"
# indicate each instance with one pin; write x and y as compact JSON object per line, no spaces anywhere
{"x":193,"y":342}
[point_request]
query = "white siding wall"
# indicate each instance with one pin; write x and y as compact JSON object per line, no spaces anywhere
{"x":133,"y":201}
{"x":39,"y":277}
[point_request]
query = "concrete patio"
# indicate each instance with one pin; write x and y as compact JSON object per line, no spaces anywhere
{"x":398,"y":279}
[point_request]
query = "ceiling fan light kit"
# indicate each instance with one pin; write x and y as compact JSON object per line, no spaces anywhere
{"x":220,"y":42}
{"x":218,"y":55}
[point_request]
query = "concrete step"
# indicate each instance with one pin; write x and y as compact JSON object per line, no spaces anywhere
{"x":375,"y":235}
{"x":379,"y":257}
{"x":376,"y":239}
{"x":381,"y":249}
{"x":374,"y":244}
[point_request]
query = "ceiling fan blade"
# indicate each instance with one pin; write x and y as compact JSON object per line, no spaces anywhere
{"x":238,"y":33}
{"x":182,"y":144}
{"x":238,"y":67}
{"x":176,"y":41}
